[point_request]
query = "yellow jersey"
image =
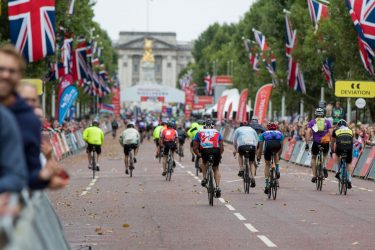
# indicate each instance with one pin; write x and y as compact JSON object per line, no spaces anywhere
{"x":93,"y":135}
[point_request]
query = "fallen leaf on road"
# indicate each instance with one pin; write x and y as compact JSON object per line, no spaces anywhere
{"x":99,"y":230}
{"x":284,"y":204}
{"x":355,"y":243}
{"x":143,"y":206}
{"x":259,"y":204}
{"x":125,"y":225}
{"x":312,"y":210}
{"x":238,"y":189}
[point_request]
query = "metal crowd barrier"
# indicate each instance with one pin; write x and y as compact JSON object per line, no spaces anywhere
{"x":36,"y":226}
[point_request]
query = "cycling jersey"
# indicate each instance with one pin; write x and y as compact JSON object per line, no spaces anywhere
{"x":245,"y":136}
{"x":169,"y":135}
{"x":195,"y":127}
{"x":271,"y":135}
{"x":129,"y":136}
{"x":344,"y":142}
{"x":320,"y":136}
{"x":93,"y":135}
{"x":156,"y":133}
{"x":208,"y":138}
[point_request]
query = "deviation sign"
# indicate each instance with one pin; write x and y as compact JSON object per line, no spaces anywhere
{"x":357,"y":89}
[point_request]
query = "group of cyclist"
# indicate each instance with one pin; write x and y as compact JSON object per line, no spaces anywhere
{"x":250,"y":138}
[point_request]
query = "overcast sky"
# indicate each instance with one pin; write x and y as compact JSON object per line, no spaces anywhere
{"x":188,"y":18}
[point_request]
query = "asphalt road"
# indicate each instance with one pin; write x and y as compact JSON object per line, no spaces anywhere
{"x":146,"y":212}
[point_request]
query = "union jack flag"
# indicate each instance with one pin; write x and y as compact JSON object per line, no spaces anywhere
{"x":32,"y":27}
{"x":327,"y":69}
{"x":317,"y":11}
{"x":260,"y":39}
{"x":270,"y":68}
{"x":363,"y":16}
{"x":255,"y":62}
{"x":66,"y":55}
{"x":81,"y":67}
{"x":295,"y":76}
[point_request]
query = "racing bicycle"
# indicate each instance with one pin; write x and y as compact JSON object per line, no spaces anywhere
{"x":210,"y":180}
{"x":319,"y":169}
{"x":273,"y":183}
{"x":169,"y":166}
{"x":93,"y":164}
{"x":344,"y":175}
{"x":247,"y":175}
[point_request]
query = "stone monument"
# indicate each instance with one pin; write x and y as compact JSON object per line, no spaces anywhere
{"x":147,"y":74}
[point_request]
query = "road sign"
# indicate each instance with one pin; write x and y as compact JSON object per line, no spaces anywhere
{"x":358,"y":89}
{"x":360,"y":103}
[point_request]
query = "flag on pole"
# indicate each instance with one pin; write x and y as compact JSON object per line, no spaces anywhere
{"x":32,"y":27}
{"x":71,"y":7}
{"x":327,"y":69}
{"x":363,"y":16}
{"x":260,"y":39}
{"x":255,"y":63}
{"x":317,"y":11}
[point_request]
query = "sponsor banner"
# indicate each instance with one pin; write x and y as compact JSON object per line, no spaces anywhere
{"x":189,"y":101}
{"x":223,"y":80}
{"x":67,"y":99}
{"x":198,"y":106}
{"x":261,"y":102}
{"x":229,"y":116}
{"x":220,"y":108}
{"x":116,"y":102}
{"x":242,"y":111}
{"x":204,"y":100}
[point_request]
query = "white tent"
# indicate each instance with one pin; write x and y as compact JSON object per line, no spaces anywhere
{"x":152,"y":91}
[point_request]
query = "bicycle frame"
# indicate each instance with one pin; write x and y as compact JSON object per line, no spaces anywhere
{"x":169,"y":166}
{"x":210,"y":181}
{"x":272,"y":180}
{"x":319,"y":169}
{"x":247,"y":175}
{"x":344,"y":178}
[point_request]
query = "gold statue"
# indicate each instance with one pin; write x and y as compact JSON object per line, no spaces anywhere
{"x":148,"y":56}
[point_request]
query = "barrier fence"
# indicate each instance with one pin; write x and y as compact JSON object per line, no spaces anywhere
{"x":294,"y":152}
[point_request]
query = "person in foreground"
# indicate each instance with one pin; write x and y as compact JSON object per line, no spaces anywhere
{"x":129,"y":139}
{"x":209,"y":141}
{"x":342,"y":144}
{"x":273,"y":140}
{"x":94,"y":137}
{"x":245,"y":139}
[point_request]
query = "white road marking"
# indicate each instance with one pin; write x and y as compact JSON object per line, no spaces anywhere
{"x":182,"y":166}
{"x":335,"y":182}
{"x":370,"y":190}
{"x":83,"y":193}
{"x":239,"y":216}
{"x":266,"y":241}
{"x":364,"y":189}
{"x":221,"y":200}
{"x":88,"y":188}
{"x":234,"y":181}
{"x":91,"y":184}
{"x":251,"y":228}
{"x":354,"y":186}
{"x":196,"y":177}
{"x":230,"y":207}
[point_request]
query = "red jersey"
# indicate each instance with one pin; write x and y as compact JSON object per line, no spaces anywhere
{"x":169,"y":135}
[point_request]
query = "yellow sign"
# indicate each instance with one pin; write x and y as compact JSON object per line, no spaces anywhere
{"x":355,"y":89}
{"x":36,"y":82}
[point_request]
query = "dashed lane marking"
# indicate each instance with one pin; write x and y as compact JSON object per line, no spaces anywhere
{"x":370,"y":190}
{"x":230,"y":207}
{"x":266,"y":241}
{"x":83,"y":193}
{"x":91,"y":184}
{"x":222,"y":200}
{"x":364,"y":189}
{"x":251,"y":228}
{"x":239,"y":216}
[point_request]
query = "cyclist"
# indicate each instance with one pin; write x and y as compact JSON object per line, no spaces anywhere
{"x":273,"y":139}
{"x":337,"y":113}
{"x":192,"y":131}
{"x":181,"y":139}
{"x":168,"y":139}
{"x":254,"y":123}
{"x":321,"y":130}
{"x":245,"y":139}
{"x":129,"y":139}
{"x":94,"y":137}
{"x":342,"y":136}
{"x":156,"y":136}
{"x":209,"y":141}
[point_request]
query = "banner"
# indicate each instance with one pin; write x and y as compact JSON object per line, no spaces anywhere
{"x":242,"y":110}
{"x":220,"y":108}
{"x":116,"y":100}
{"x":261,"y":102}
{"x":65,"y":82}
{"x":67,"y":99}
{"x":229,"y":117}
{"x":189,"y":101}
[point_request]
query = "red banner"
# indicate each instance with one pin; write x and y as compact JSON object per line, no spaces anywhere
{"x":261,"y":102}
{"x":220,"y":108}
{"x":116,"y":100}
{"x":241,"y":112}
{"x":229,"y":117}
{"x":223,"y":80}
{"x":204,"y":100}
{"x":189,"y":101}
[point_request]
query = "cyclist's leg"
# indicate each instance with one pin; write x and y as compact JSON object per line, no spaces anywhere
{"x":325,"y":155}
{"x":165,"y":157}
{"x":314,"y":153}
{"x":157,"y":147}
{"x":217,"y":175}
{"x":192,"y":151}
{"x":98,"y":152}
{"x":126,"y":158}
{"x":267,"y":159}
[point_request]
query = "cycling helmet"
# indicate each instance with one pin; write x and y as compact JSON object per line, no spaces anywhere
{"x":209,"y":124}
{"x":95,"y":122}
{"x":201,"y":122}
{"x":319,"y":112}
{"x":342,"y":122}
{"x":243,"y":124}
{"x":272,"y":126}
{"x":130,"y":125}
{"x":163,"y":123}
{"x":170,"y":124}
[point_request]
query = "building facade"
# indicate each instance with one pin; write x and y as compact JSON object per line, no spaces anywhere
{"x":170,"y":56}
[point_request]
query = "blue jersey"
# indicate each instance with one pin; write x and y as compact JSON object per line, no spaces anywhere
{"x":271,"y":135}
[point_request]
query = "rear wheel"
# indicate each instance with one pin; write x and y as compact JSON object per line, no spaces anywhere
{"x":246,"y":179}
{"x":274,"y":185}
{"x":93,"y":161}
{"x":210,"y":189}
{"x":196,"y":167}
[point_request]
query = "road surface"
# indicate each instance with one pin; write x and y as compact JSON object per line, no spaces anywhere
{"x":146,"y":212}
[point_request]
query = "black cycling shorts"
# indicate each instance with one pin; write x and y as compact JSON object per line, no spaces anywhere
{"x":192,"y":143}
{"x":91,"y":147}
{"x":156,"y":142}
{"x":247,"y":150}
{"x":181,"y":141}
{"x":345,"y":149}
{"x":315,"y":148}
{"x":272,"y":147}
{"x":169,"y":146}
{"x":128,"y":147}
{"x":215,"y":152}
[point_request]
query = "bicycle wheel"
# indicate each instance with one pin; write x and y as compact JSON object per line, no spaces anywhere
{"x":345,"y":184}
{"x":131,"y":165}
{"x":196,"y":166}
{"x":210,"y":188}
{"x":170,"y":170}
{"x":273,"y":186}
{"x":93,"y":161}
{"x":246,"y":177}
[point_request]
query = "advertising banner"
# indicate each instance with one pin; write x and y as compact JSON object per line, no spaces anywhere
{"x":67,"y":99}
{"x":241,"y":112}
{"x":116,"y":100}
{"x":65,"y":82}
{"x":261,"y":102}
{"x":229,"y":116}
{"x":189,"y":101}
{"x":220,"y":108}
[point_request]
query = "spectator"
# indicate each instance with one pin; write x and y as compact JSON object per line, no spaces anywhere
{"x":12,"y":67}
{"x":337,"y":113}
{"x":13,"y":173}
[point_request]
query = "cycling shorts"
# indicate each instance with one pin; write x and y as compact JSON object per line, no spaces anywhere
{"x":215,"y":152}
{"x":91,"y":147}
{"x":169,"y":146}
{"x":181,"y":141}
{"x":315,"y":148}
{"x":156,"y":142}
{"x":272,"y":147}
{"x":128,"y":147}
{"x":345,"y":149}
{"x":249,"y":150}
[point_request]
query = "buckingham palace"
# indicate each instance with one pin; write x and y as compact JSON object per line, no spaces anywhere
{"x":170,"y":57}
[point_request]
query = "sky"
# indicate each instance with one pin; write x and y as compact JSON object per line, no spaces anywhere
{"x":188,"y":18}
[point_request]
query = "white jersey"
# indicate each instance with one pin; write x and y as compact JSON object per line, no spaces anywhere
{"x":245,"y":136}
{"x":129,"y":136}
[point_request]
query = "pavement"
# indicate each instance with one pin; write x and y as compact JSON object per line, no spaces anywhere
{"x":115,"y":211}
